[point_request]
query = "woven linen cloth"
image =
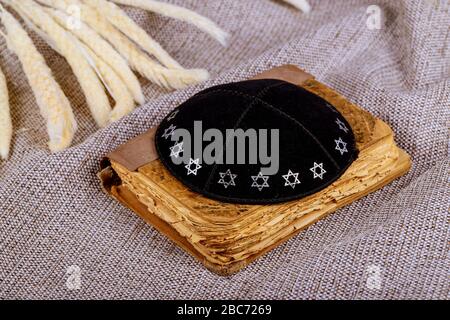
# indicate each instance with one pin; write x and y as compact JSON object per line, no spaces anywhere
{"x":393,"y":244}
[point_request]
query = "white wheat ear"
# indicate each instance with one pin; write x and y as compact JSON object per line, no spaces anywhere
{"x":303,"y":5}
{"x":5,"y":119}
{"x":118,"y":18}
{"x":168,"y":78}
{"x":180,"y":13}
{"x":104,"y":51}
{"x":112,"y":82}
{"x":93,"y":90}
{"x":53,"y":104}
{"x":117,"y":88}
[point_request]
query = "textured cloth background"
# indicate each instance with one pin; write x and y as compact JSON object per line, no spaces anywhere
{"x":53,"y":214}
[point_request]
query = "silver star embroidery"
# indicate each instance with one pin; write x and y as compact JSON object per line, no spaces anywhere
{"x":227,"y":182}
{"x":169,"y":131}
{"x":172,"y":115}
{"x":341,"y":125}
{"x":341,"y":146}
{"x":176,"y":149}
{"x":288,"y":181}
{"x":189,"y":166}
{"x":264,"y":179}
{"x":314,"y":170}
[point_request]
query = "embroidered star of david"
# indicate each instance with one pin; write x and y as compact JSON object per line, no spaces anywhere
{"x":260,"y":181}
{"x":291,"y":182}
{"x":176,"y":149}
{"x":172,"y":115}
{"x":169,"y":131}
{"x":316,"y":173}
{"x":189,"y":166}
{"x":341,"y":125}
{"x":341,"y":146}
{"x":227,"y":178}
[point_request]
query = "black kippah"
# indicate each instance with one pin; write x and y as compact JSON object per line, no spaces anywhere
{"x":316,"y":144}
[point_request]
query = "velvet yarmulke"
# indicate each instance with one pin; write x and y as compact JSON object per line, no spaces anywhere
{"x":314,"y":143}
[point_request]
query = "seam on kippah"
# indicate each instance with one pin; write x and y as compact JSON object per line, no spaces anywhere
{"x":239,"y":93}
{"x":282,"y":113}
{"x":255,"y":98}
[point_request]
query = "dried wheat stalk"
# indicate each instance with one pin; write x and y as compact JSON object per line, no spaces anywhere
{"x":180,"y":13}
{"x":168,"y":78}
{"x":94,"y":92}
{"x":112,"y":82}
{"x":303,"y":5}
{"x":117,"y":17}
{"x":100,"y":48}
{"x":104,"y":51}
{"x":5,"y":119}
{"x":53,"y":104}
{"x":117,"y":88}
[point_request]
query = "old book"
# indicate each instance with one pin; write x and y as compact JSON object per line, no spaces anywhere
{"x":226,"y":237}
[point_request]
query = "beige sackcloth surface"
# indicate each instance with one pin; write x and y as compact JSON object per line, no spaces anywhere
{"x":391,"y":244}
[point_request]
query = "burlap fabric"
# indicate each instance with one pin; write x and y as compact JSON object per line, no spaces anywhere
{"x":391,"y":244}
